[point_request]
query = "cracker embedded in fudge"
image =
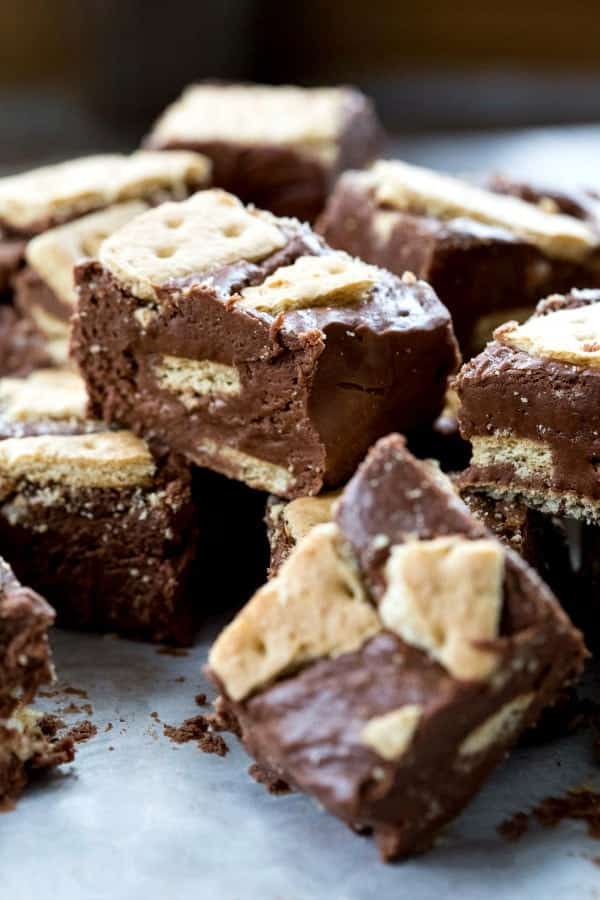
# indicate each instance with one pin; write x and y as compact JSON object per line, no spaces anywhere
{"x":488,"y":256}
{"x":289,"y":522}
{"x":245,"y":343}
{"x":45,"y":290}
{"x":277,"y":147}
{"x":396,"y":656}
{"x":529,"y":407}
{"x":25,"y":666}
{"x":103,"y":529}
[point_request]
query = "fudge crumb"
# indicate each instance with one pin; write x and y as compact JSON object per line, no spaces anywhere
{"x":172,"y":651}
{"x":109,"y":726}
{"x":200,"y":729}
{"x":200,"y":700}
{"x":514,"y":828}
{"x":580,"y":804}
{"x":265,"y":776}
{"x":154,"y":715}
{"x":111,"y":748}
{"x":82,"y":731}
{"x":179,"y":680}
{"x":51,"y":724}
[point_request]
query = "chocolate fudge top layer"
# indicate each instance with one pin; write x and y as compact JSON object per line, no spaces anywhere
{"x":275,"y":146}
{"x":258,"y":350}
{"x":489,"y":257}
{"x":47,"y":401}
{"x":395,"y":656}
{"x":42,"y":198}
{"x":529,"y":406}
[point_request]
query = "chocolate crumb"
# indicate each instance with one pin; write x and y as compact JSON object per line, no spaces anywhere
{"x":111,"y":748}
{"x":265,"y":776}
{"x":514,"y":828}
{"x":172,"y":651}
{"x":200,"y":700}
{"x":51,"y":724}
{"x":179,"y":680}
{"x":82,"y":731}
{"x":154,"y":715}
{"x":200,"y":729}
{"x":109,"y":726}
{"x":580,"y":804}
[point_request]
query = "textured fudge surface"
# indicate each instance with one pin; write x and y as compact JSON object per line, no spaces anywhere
{"x":488,"y":256}
{"x":396,"y":655}
{"x":25,"y":665}
{"x":278,"y":147}
{"x":92,"y":520}
{"x":529,"y":405}
{"x":245,"y":343}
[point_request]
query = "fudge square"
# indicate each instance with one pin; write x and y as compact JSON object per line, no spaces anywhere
{"x":396,"y":656}
{"x":489,"y":257}
{"x":278,"y":147}
{"x":245,"y":343}
{"x":90,"y":518}
{"x":530,"y":406}
{"x":45,"y":289}
{"x":25,"y":666}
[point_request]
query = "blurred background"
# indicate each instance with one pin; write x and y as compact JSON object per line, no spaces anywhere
{"x":456,"y":83}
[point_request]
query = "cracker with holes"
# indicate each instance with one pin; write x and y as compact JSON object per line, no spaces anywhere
{"x":244,"y":342}
{"x":91,"y":518}
{"x":396,"y":655}
{"x":50,"y":218}
{"x":278,"y":147}
{"x":489,"y":256}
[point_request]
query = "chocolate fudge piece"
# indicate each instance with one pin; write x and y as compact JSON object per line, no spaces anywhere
{"x":289,"y":522}
{"x":25,"y":666}
{"x":489,"y":257}
{"x":245,"y":343}
{"x":41,"y":199}
{"x":104,"y":530}
{"x":529,"y":406}
{"x":45,"y":290}
{"x":278,"y":147}
{"x":396,"y":656}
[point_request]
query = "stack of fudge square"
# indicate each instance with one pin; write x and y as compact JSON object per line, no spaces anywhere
{"x":172,"y":324}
